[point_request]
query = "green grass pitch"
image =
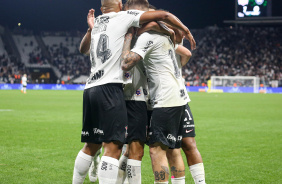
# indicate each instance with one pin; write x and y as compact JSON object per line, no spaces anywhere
{"x":238,"y":135}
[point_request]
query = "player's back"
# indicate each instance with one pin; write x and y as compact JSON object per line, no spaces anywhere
{"x":107,"y":38}
{"x":162,"y":69}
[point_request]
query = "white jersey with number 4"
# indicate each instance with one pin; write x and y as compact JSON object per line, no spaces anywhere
{"x":165,"y":81}
{"x":107,"y":39}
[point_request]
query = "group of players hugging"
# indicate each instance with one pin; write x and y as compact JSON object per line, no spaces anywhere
{"x":135,"y":95}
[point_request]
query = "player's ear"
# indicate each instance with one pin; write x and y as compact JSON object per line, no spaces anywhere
{"x":101,"y":9}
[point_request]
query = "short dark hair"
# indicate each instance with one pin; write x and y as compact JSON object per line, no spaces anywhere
{"x":137,"y":3}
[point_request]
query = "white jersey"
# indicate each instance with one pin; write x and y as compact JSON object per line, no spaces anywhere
{"x":178,"y":57}
{"x":165,"y":80}
{"x":137,"y":90}
{"x":24,"y":81}
{"x":107,"y":39}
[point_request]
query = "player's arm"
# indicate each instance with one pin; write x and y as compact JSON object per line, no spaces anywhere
{"x":85,"y":42}
{"x":158,"y":27}
{"x":184,"y":53}
{"x":129,"y":59}
{"x":178,"y":34}
{"x":169,"y":19}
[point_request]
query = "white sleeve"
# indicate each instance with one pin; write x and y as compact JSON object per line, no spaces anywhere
{"x":176,"y":46}
{"x":143,"y":45}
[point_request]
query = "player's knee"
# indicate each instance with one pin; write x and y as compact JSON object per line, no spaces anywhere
{"x":189,"y":144}
{"x":172,"y":153}
{"x":91,"y":149}
{"x":136,"y":154}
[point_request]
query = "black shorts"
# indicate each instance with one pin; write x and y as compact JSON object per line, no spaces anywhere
{"x":165,"y":125}
{"x":187,"y":128}
{"x":137,"y":120}
{"x":104,"y":114}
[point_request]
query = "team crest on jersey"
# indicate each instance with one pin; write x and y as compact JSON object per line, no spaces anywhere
{"x":127,"y":75}
{"x":138,"y":92}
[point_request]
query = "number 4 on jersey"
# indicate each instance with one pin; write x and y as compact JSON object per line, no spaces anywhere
{"x":103,"y":51}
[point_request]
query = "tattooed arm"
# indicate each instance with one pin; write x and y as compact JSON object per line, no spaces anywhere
{"x":129,"y":59}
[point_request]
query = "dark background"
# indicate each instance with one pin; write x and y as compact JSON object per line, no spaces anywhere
{"x":62,"y":15}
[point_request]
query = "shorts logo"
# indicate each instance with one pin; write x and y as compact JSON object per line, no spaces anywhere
{"x":127,"y":75}
{"x":138,"y":92}
{"x":179,"y":138}
{"x":98,"y":131}
{"x":171,"y":138}
{"x":188,"y":131}
{"x":84,"y":133}
{"x":188,"y":126}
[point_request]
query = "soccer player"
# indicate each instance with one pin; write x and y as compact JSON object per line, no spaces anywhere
{"x":104,"y":111}
{"x":24,"y":84}
{"x":166,"y":93}
{"x":188,"y":143}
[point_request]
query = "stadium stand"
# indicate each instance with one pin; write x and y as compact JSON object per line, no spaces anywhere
{"x":244,"y":51}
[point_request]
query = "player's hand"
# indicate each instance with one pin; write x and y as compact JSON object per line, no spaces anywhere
{"x":191,"y":39}
{"x":91,"y":18}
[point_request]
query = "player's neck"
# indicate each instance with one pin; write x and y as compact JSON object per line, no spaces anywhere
{"x":109,"y":10}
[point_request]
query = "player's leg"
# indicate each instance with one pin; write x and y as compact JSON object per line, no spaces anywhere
{"x":136,"y":152}
{"x":177,"y":167}
{"x":175,"y":159}
{"x":109,"y":165}
{"x":122,"y":165}
{"x":163,"y":134}
{"x":83,"y":162}
{"x":85,"y":156}
{"x":137,"y":126}
{"x":93,"y":171}
{"x":159,"y":162}
{"x":24,"y":89}
{"x":194,"y":158}
{"x":112,"y":130}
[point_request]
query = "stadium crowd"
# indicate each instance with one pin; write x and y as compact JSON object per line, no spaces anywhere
{"x":11,"y":69}
{"x":243,"y":51}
